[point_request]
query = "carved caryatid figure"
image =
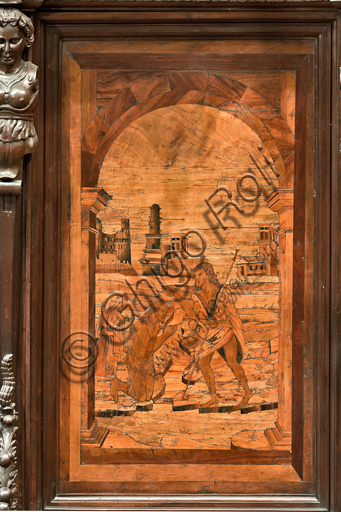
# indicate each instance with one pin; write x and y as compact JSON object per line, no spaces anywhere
{"x":18,"y":93}
{"x":18,"y":97}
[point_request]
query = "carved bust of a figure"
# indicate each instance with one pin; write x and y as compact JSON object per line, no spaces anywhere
{"x":18,"y":93}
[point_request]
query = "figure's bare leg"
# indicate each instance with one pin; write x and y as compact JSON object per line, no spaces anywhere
{"x":118,"y":385}
{"x":159,"y":387}
{"x":230,"y":350}
{"x":204,"y":365}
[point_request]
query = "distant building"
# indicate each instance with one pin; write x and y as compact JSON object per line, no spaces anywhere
{"x":165,"y":248}
{"x":268,"y":247}
{"x":156,"y":250}
{"x":115,"y":243}
{"x":108,"y":243}
{"x":179,"y":243}
{"x":113,"y":251}
{"x":264,"y":263}
{"x":251,"y":266}
{"x":109,"y":264}
{"x":122,"y":242}
{"x":152,"y":252}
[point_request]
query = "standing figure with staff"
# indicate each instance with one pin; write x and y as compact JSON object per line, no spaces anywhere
{"x":210,"y":323}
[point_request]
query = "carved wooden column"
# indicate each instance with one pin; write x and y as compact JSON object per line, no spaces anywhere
{"x":10,"y":265}
{"x":93,"y":200}
{"x":282,"y":202}
{"x":18,"y":98}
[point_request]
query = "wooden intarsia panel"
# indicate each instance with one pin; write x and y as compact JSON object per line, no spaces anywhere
{"x":172,"y":363}
{"x":177,"y":216}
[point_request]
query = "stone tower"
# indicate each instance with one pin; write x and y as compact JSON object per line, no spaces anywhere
{"x":152,"y":252}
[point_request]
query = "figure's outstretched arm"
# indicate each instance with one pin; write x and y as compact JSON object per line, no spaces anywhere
{"x":190,"y":312}
{"x":167,"y":333}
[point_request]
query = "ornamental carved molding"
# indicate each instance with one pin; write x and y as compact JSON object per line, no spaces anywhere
{"x":8,"y":443}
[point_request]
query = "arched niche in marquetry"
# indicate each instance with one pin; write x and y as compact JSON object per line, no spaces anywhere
{"x":181,"y":88}
{"x":266,"y":121}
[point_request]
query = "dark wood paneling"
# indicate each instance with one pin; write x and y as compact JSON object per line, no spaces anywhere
{"x":189,"y":5}
{"x":190,"y":62}
{"x":335,"y":282}
{"x":78,"y":25}
{"x":321,"y":273}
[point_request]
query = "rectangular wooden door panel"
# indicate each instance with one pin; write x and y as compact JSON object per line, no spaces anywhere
{"x":182,"y":146}
{"x":184,"y":344}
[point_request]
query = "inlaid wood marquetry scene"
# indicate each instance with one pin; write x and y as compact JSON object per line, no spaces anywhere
{"x":177,"y":254}
{"x":186,"y":256}
{"x":205,"y":342}
{"x":169,"y":271}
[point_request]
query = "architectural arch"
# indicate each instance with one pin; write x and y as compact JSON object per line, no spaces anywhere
{"x":241,"y":101}
{"x":180,"y":88}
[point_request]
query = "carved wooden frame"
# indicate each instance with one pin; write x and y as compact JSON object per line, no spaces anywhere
{"x":96,"y":141}
{"x":42,"y":232}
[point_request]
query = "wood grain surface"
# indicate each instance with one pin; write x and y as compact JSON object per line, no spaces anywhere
{"x":171,"y":140}
{"x":197,"y":149}
{"x":167,"y":122}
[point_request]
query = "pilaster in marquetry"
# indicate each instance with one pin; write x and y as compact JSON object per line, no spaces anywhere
{"x":282,"y":202}
{"x":93,"y":201}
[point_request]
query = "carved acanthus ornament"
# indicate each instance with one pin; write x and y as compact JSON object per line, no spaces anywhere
{"x":8,"y":444}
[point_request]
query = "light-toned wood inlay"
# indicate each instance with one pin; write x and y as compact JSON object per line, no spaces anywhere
{"x":186,"y":472}
{"x":75,"y":256}
{"x":197,"y":149}
{"x":288,"y":99}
